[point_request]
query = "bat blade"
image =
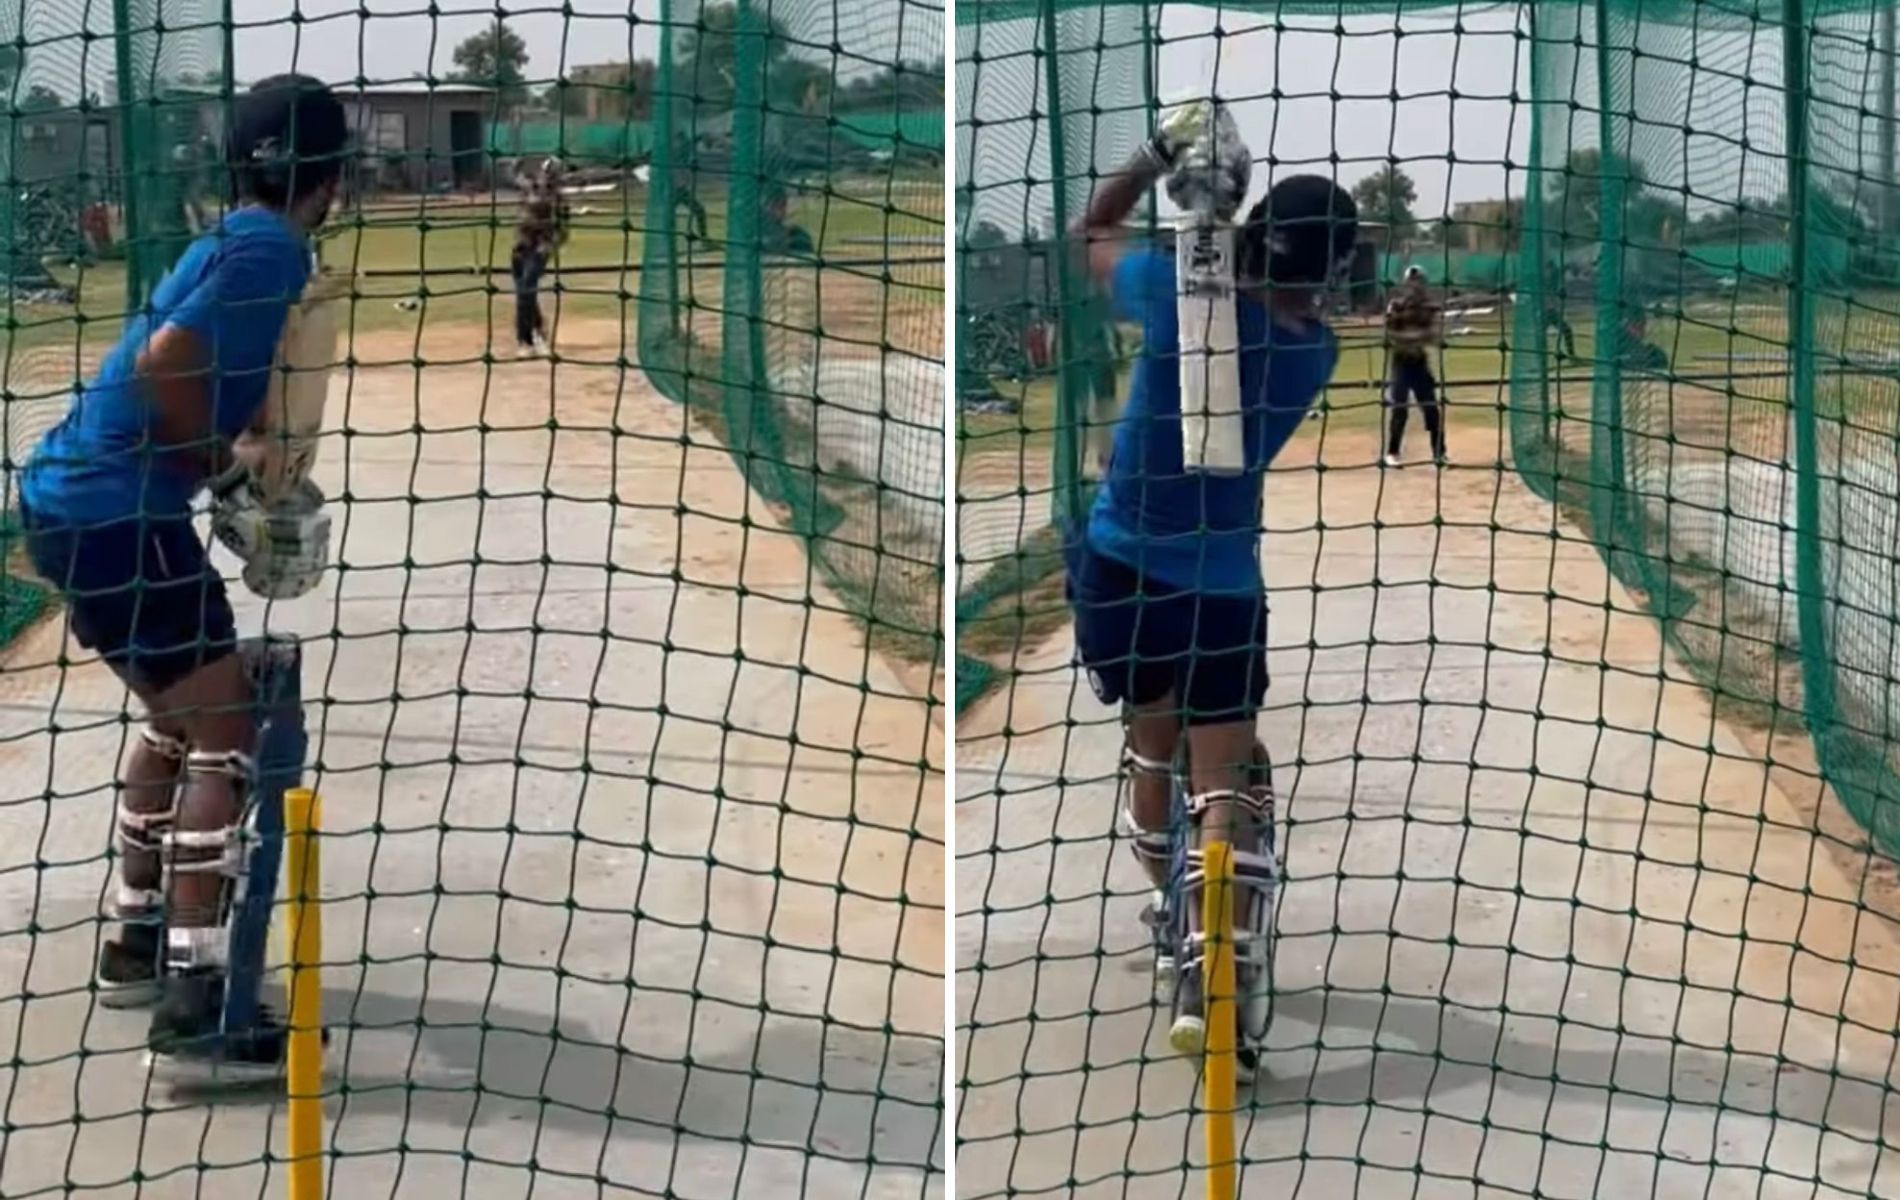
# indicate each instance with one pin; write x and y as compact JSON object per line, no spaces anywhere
{"x":1213,"y":434}
{"x":291,"y":423}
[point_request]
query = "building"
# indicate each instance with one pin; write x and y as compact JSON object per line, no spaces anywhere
{"x":1485,"y":226}
{"x":418,"y":136}
{"x":610,"y":91}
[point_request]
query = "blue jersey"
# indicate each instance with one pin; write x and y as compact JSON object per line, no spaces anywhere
{"x":1198,"y":531}
{"x":233,"y":289}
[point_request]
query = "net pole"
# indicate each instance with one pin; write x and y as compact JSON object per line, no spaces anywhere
{"x":128,"y":155}
{"x":1220,"y":1082}
{"x":1068,"y":491}
{"x":1887,"y":118}
{"x":1606,"y":442}
{"x":303,"y":816}
{"x":1817,"y":676}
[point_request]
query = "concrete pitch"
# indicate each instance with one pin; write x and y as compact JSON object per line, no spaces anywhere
{"x":595,"y":840}
{"x":1551,"y":930}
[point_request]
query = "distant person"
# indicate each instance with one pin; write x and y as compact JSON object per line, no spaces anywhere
{"x":1639,"y":353}
{"x":779,"y":234}
{"x":686,"y":187}
{"x":1412,"y":333}
{"x":1554,"y":319}
{"x":540,"y":230}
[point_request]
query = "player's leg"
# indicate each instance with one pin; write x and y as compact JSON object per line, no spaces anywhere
{"x":1224,"y":686}
{"x":539,"y":335}
{"x":1117,"y":630}
{"x":1431,"y":406}
{"x":1395,"y":411}
{"x":522,"y":267}
{"x":101,"y":573}
{"x":128,"y":967}
{"x":1230,"y":789}
{"x":180,"y":654}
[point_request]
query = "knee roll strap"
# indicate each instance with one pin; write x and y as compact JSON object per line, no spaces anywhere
{"x":1255,"y":801}
{"x":167,"y":747}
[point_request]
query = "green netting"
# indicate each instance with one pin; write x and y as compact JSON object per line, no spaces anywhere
{"x":1032,"y":351}
{"x":807,"y":323}
{"x":1732,"y":467}
{"x":633,"y":843}
{"x":590,"y":141}
{"x":1585,"y":743}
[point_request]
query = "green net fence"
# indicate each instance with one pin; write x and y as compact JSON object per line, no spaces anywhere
{"x":1584,"y":742}
{"x":619,"y":685}
{"x":833,"y":402}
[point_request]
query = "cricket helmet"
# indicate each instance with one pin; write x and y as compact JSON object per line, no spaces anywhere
{"x":1302,"y":232}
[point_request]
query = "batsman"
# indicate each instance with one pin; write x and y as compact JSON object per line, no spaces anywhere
{"x":197,"y":399}
{"x":1165,"y":572}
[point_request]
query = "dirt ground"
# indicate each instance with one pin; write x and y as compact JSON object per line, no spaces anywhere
{"x":633,"y":858}
{"x":1550,"y":928}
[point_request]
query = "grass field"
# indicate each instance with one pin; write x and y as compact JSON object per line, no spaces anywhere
{"x":431,"y":285}
{"x":395,"y":248}
{"x":1728,"y":359}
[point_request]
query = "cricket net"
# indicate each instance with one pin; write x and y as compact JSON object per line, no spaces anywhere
{"x":808,"y":324}
{"x":1584,"y":743}
{"x":630,"y":765}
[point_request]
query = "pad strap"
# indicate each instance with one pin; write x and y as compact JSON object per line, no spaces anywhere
{"x":1144,"y":765}
{"x":138,"y":904}
{"x":200,"y":949}
{"x":1151,"y":846}
{"x":145,"y":830}
{"x":1256,"y":801}
{"x":164,"y":745}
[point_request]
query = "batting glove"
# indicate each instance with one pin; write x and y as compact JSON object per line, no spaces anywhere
{"x":1177,"y":133}
{"x":1214,"y":171}
{"x":285,"y":546}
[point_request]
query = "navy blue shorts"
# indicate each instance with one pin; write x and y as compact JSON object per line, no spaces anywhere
{"x":139,"y":592}
{"x":1141,"y":640}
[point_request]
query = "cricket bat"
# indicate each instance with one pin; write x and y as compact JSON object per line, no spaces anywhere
{"x":1213,"y":433}
{"x":289,"y":426}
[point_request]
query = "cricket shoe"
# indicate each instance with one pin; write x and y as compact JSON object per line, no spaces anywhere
{"x":188,"y":1045}
{"x":1188,"y":1035}
{"x":127,"y":975}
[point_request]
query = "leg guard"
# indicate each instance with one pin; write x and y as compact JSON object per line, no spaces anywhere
{"x":1150,"y":845}
{"x":224,"y":852}
{"x":146,"y":831}
{"x":1256,"y":876}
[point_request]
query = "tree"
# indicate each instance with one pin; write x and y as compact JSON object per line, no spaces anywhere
{"x":497,"y":58}
{"x":614,"y":91}
{"x":1388,"y":196}
{"x":710,"y":53}
{"x":39,"y":98}
{"x":907,"y":87}
{"x":986,"y":233}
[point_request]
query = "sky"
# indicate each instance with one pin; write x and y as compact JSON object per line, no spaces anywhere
{"x":399,"y":39}
{"x":1383,"y":88}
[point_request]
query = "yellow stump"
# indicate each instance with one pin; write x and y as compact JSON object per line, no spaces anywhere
{"x":1217,"y":922}
{"x":303,"y":815}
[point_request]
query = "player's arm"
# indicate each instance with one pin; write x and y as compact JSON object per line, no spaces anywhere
{"x":214,"y":349}
{"x":1100,"y":230}
{"x":176,"y":367}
